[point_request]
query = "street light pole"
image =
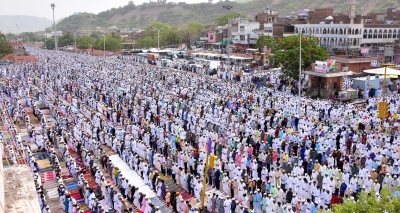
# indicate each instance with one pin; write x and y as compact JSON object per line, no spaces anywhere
{"x":300,"y":36}
{"x":54,"y":22}
{"x":158,"y":38}
{"x":17,"y":31}
{"x":104,"y":50}
{"x":74,"y":41}
{"x":227,"y":7}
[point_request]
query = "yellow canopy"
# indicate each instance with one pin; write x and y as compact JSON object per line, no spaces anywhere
{"x":392,"y":76}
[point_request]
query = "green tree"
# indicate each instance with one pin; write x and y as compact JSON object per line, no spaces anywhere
{"x":151,"y":28}
{"x":368,"y":203}
{"x":50,"y":43}
{"x":65,"y":40}
{"x":171,"y":37}
{"x":95,"y":36}
{"x":195,"y":28}
{"x":286,"y":54}
{"x":5,"y":48}
{"x":113,"y":43}
{"x":27,"y":36}
{"x":84,"y":42}
{"x":145,"y":42}
{"x":222,"y":20}
{"x":267,"y":41}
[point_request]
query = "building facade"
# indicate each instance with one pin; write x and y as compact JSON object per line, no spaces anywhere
{"x":366,"y":35}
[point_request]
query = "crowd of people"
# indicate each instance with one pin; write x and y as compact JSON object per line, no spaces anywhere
{"x":276,"y":152}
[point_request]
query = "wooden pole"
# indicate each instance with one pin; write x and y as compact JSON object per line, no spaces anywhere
{"x":384,"y":99}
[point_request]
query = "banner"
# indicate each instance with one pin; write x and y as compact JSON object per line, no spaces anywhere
{"x":331,"y":65}
{"x":345,"y":69}
{"x":320,"y":66}
{"x":325,"y":66}
{"x":364,"y":50}
{"x":375,"y":64}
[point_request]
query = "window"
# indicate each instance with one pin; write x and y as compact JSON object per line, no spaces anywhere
{"x":242,"y":37}
{"x":334,"y":85}
{"x":211,"y":37}
{"x":268,"y":29}
{"x":241,"y":29}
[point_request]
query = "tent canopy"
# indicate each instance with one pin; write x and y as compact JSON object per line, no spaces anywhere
{"x":381,"y":71}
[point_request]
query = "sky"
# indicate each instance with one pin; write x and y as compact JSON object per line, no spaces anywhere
{"x":65,"y":8}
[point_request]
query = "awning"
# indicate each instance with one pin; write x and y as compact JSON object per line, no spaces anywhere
{"x":381,"y":71}
{"x":328,"y":74}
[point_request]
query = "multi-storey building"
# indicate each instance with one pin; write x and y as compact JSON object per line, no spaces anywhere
{"x":243,"y":32}
{"x":352,"y":33}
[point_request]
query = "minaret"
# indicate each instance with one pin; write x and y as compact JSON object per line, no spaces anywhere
{"x":352,"y":14}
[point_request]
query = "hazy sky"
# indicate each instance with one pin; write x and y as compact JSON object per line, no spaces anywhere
{"x":65,"y":8}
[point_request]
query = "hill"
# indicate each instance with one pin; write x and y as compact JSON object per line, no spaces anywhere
{"x":178,"y":14}
{"x":25,"y":23}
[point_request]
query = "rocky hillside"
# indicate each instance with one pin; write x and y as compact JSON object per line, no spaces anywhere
{"x":178,"y":14}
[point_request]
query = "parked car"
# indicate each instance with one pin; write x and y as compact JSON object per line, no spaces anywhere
{"x":136,"y":51}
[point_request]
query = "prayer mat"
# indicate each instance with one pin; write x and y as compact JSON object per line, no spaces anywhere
{"x":92,"y":184}
{"x":21,"y":161}
{"x":172,"y":186}
{"x":48,"y":176}
{"x":41,"y":156}
{"x":46,"y":169}
{"x":76,"y":196}
{"x":74,"y":191}
{"x":88,"y":175}
{"x":50,"y":184}
{"x":64,"y":171}
{"x":68,"y":176}
{"x":69,"y":179}
{"x":28,"y":110}
{"x":43,"y":163}
{"x":72,"y":186}
{"x":165,"y":178}
{"x":53,"y":193}
{"x":83,"y":206}
{"x":186,"y":196}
